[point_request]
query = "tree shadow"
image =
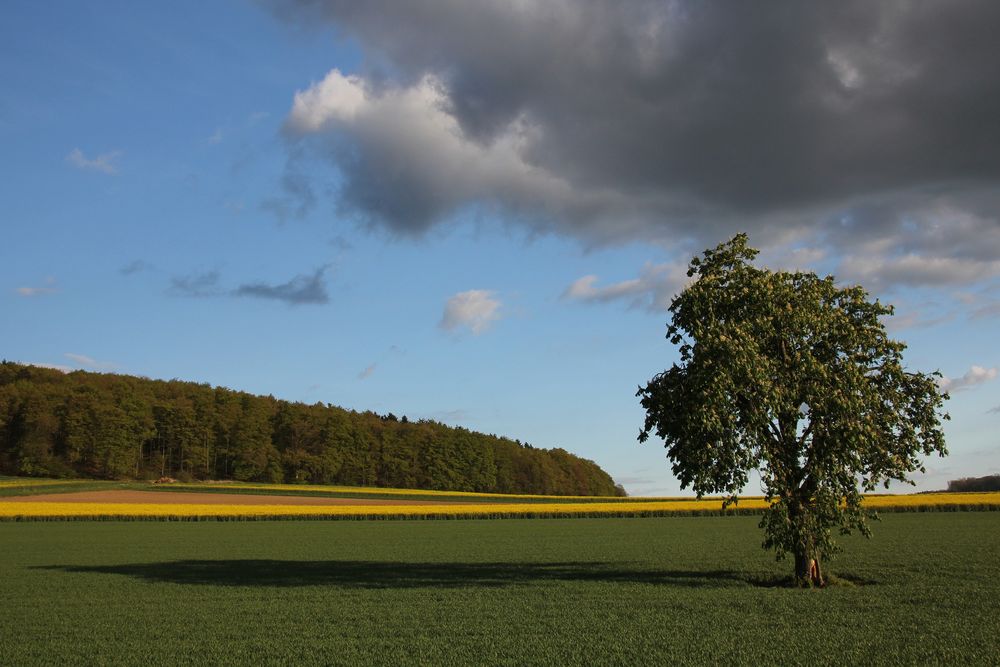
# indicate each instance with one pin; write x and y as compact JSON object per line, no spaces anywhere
{"x":380,"y":574}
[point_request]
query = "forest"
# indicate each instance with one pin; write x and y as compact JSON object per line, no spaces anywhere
{"x":110,"y":426}
{"x":975,"y":484}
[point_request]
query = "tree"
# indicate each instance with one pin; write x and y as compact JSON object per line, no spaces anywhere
{"x":791,"y":376}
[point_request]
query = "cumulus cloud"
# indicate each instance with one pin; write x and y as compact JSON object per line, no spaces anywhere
{"x":857,"y":127}
{"x":407,"y":164}
{"x":653,"y":290}
{"x":91,"y":363}
{"x":475,"y":310}
{"x":302,"y":289}
{"x":976,"y":375}
{"x":104,"y":163}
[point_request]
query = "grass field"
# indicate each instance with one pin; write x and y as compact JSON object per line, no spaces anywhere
{"x":926,"y":589}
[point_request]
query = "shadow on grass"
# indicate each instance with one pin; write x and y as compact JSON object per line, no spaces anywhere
{"x":379,"y":574}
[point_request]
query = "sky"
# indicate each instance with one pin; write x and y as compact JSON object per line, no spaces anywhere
{"x":478,"y":213}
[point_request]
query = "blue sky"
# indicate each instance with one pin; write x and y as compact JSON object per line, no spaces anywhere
{"x":477,"y":214}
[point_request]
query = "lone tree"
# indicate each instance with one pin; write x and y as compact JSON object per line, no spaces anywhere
{"x":791,"y":376}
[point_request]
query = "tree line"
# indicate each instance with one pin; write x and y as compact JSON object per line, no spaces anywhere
{"x":974,"y":484}
{"x":109,"y":426}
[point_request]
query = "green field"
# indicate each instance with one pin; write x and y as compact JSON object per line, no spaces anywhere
{"x":926,"y":589}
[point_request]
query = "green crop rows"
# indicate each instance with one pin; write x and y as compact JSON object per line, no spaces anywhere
{"x":925,"y":589}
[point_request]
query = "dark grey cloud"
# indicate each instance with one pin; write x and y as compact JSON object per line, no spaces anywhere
{"x":196,"y":284}
{"x":302,"y":289}
{"x":865,"y":127}
{"x":135,"y":266}
{"x":746,"y":106}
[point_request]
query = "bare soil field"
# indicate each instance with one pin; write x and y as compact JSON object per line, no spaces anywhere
{"x":180,"y":498}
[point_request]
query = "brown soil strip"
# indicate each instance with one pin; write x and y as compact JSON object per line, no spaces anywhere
{"x":195,"y":498}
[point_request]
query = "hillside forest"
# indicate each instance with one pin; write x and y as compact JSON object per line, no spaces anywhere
{"x":109,"y":426}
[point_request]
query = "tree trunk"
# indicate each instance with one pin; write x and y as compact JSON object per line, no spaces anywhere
{"x":807,"y":570}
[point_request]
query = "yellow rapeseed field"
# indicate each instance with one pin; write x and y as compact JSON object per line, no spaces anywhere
{"x":57,"y":510}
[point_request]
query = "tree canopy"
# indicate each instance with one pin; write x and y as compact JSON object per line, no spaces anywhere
{"x":789,"y":375}
{"x":56,"y":424}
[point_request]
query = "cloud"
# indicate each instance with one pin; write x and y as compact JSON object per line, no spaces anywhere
{"x":298,"y":198}
{"x":257,"y":117}
{"x":915,"y":319}
{"x":135,"y":266}
{"x":367,"y":373}
{"x":976,"y":375}
{"x":222,"y":132}
{"x":90,"y":362}
{"x":196,"y":284}
{"x":994,"y":411}
{"x":653,"y":290}
{"x":104,"y":163}
{"x":879,"y":271}
{"x":475,"y":310}
{"x":406,"y":164}
{"x":991,"y":309}
{"x":847,"y":126}
{"x":302,"y":289}
{"x":48,"y":288}
{"x":341,"y":244}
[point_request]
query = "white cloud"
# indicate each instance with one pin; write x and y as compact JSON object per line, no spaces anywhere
{"x":48,"y":288}
{"x":335,"y":98}
{"x":103,"y":163}
{"x":915,"y":319}
{"x":875,"y":271}
{"x":653,"y":290}
{"x":35,"y":291}
{"x":408,"y":163}
{"x":474,"y":309}
{"x":91,"y":363}
{"x":976,"y":375}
